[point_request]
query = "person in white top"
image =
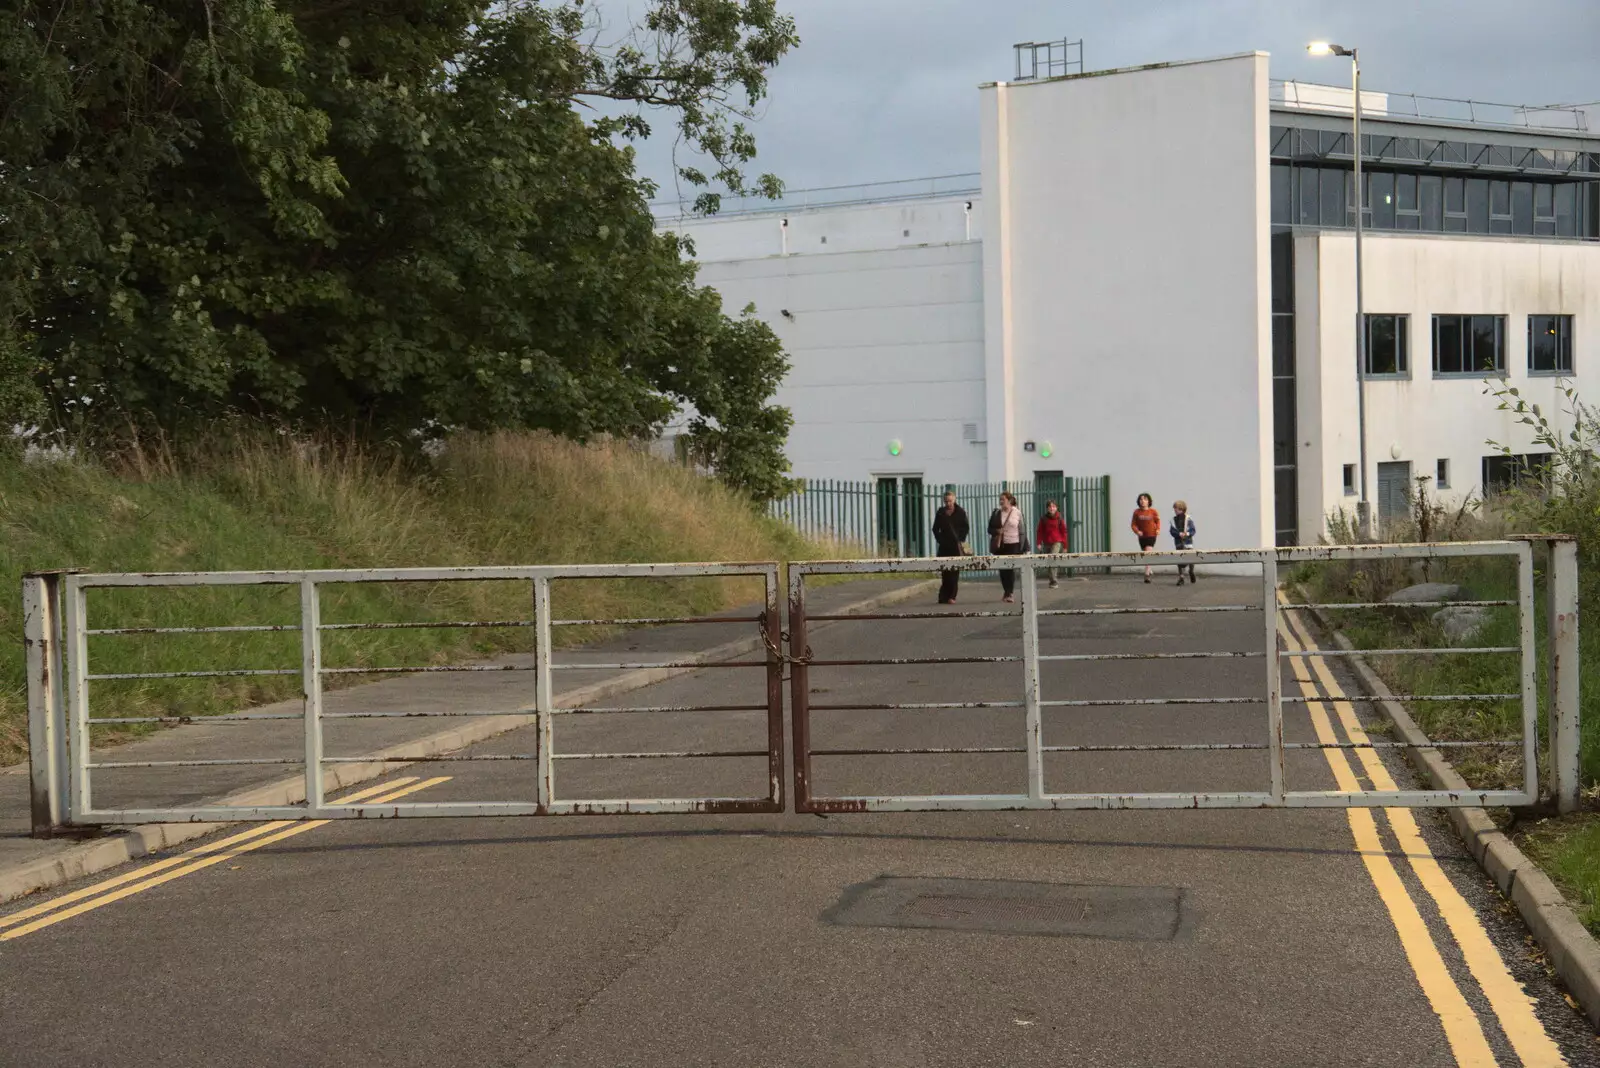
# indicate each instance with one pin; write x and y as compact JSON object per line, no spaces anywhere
{"x":1006,"y":538}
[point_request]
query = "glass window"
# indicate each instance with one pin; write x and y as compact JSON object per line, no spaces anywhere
{"x":1488,"y":343}
{"x":1441,"y":474}
{"x":1386,"y":345}
{"x":1477,"y":205}
{"x":1282,"y":198}
{"x":1349,"y":480}
{"x":1522,"y":207}
{"x":1447,"y":336}
{"x":1430,"y":202}
{"x":1469,"y":344}
{"x":1380,"y":197}
{"x":1566,"y":198}
{"x":1455,"y":205}
{"x":1550,"y":344}
{"x":1333,"y":199}
{"x":1499,"y":207}
{"x":1306,"y":179}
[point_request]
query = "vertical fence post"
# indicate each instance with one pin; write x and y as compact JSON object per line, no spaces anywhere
{"x":799,"y":689}
{"x":1561,"y":597}
{"x":1031,"y":687}
{"x":311,"y":685}
{"x":772,"y":637}
{"x":1530,"y":675}
{"x":543,"y":693}
{"x":75,"y":645}
{"x":41,"y":637}
{"x":1269,"y":609}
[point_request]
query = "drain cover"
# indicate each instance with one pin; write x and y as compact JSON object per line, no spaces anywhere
{"x":1136,"y":913}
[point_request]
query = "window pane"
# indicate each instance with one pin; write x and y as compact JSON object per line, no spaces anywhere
{"x":1455,"y":195}
{"x":1405,"y":192}
{"x":1306,"y":178}
{"x":1333,"y":199}
{"x":1485,"y":343}
{"x":1564,"y":350}
{"x":1380,"y":198}
{"x":1499,"y":198}
{"x":1430,"y":199}
{"x":1477,"y":205}
{"x":1381,"y":345}
{"x":1544,"y":204}
{"x":1281,"y":194}
{"x":1541,"y":343}
{"x":1522,"y":207}
{"x":1402,"y":342}
{"x":1566,"y":197}
{"x":1447,"y":344}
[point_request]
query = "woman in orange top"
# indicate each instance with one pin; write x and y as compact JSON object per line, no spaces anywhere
{"x":1147,"y":525}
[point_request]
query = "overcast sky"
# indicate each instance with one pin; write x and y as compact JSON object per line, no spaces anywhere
{"x":886,"y":89}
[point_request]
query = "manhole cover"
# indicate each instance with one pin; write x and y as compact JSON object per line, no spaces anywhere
{"x":1137,"y":913}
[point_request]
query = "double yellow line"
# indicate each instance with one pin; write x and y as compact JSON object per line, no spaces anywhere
{"x":1511,"y":1005}
{"x":149,"y":876}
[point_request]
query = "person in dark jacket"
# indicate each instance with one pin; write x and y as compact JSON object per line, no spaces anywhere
{"x":950,"y":530}
{"x":1182,"y":531}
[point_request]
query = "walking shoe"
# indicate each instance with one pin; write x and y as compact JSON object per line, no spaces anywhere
{"x":1008,"y":599}
{"x":1192,"y":575}
{"x":1180,"y":580}
{"x":1054,"y":584}
{"x":1147,"y":579}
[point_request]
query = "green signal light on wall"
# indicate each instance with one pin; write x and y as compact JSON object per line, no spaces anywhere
{"x":894,"y":447}
{"x":1045,"y":449}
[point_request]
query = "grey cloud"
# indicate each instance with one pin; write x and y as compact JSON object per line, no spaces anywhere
{"x":886,"y":89}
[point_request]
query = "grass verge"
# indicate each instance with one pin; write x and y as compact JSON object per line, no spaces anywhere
{"x":262,"y":502}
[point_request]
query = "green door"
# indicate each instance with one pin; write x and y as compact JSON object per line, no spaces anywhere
{"x":889,"y":514}
{"x":914,"y":531}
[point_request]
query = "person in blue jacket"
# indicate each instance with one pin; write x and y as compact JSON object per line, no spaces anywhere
{"x":1182,"y":531}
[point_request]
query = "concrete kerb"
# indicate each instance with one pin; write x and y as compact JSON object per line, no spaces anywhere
{"x":1572,"y":950}
{"x":86,"y":858}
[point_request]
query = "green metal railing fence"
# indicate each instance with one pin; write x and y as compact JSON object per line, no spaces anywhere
{"x":892,"y":517}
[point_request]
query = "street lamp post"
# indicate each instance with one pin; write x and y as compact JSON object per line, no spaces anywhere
{"x":1364,"y":508}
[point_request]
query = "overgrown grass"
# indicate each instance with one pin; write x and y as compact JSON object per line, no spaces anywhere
{"x":260,"y":502}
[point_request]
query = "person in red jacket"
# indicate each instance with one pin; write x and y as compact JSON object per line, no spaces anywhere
{"x":1050,"y":536}
{"x":1147,"y":525}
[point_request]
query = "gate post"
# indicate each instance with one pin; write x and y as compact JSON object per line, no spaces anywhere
{"x":1033,"y":711}
{"x":544,"y":701}
{"x":1561,"y":605}
{"x":799,"y":689}
{"x":47,"y":708}
{"x":311,"y":686}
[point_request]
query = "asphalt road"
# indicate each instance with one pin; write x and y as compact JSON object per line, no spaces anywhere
{"x":1074,"y":938}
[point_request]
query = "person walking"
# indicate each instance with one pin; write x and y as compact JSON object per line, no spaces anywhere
{"x":1182,"y":531}
{"x":1050,"y":536}
{"x":1147,"y":525}
{"x":950,"y":529}
{"x":1006,"y":538}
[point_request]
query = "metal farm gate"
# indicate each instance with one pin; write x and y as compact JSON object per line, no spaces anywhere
{"x":60,"y":610}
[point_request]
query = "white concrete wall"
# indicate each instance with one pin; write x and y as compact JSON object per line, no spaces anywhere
{"x":1126,"y":232}
{"x":845,"y":228}
{"x":1424,"y":418}
{"x":885,"y":345}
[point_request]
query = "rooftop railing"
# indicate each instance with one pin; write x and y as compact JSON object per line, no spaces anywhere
{"x":1313,"y":96}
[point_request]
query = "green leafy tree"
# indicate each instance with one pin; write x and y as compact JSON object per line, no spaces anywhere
{"x":393,"y":215}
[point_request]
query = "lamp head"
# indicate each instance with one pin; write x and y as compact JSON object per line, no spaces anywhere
{"x":1327,"y":48}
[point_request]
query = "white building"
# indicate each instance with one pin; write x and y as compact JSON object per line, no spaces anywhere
{"x":1153,"y":278}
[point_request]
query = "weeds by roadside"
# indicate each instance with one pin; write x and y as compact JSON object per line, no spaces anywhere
{"x":259,"y":501}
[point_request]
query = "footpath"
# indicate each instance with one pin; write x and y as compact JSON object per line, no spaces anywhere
{"x":29,"y":864}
